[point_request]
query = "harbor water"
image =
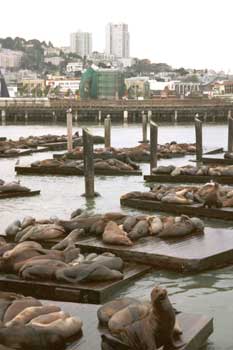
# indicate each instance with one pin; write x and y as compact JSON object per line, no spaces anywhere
{"x":209,"y":293}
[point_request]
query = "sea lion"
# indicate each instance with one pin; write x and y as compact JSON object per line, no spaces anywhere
{"x":106,"y":311}
{"x":212,"y":197}
{"x":13,"y":228}
{"x":76,"y":213}
{"x":30,"y":313}
{"x":163,"y":169}
{"x":177,"y":228}
{"x":154,"y":330}
{"x":114,"y":235}
{"x":28,"y":221}
{"x":47,"y":318}
{"x":155,"y":225}
{"x":141,"y":229}
{"x":88,"y":272}
{"x":71,"y":239}
{"x":115,"y":216}
{"x":129,"y":223}
{"x":127,"y":315}
{"x":13,"y":187}
{"x":29,"y":337}
{"x":79,"y":222}
{"x":43,"y":232}
{"x":44,"y":270}
{"x":65,"y":327}
{"x":19,"y":305}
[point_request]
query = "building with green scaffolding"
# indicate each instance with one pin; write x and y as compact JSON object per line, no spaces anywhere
{"x":102,"y":84}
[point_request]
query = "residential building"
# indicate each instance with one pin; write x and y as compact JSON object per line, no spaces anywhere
{"x":56,"y":60}
{"x":64,"y":85}
{"x":81,"y":43}
{"x":51,"y":51}
{"x":10,"y":59}
{"x":73,"y":67}
{"x":117,"y":40}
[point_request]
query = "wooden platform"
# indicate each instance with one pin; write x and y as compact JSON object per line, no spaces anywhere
{"x":220,"y":160}
{"x":89,"y":292}
{"x":18,"y":194}
{"x":23,"y":152}
{"x":194,"y":209}
{"x":46,"y":170}
{"x":193,"y":253}
{"x":196,"y":328}
{"x":188,"y":179}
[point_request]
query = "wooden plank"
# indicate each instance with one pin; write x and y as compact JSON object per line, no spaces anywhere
{"x":196,"y":327}
{"x":152,"y":205}
{"x":220,"y":160}
{"x":24,"y":170}
{"x":188,"y":179}
{"x":88,"y":292}
{"x":24,"y":152}
{"x":18,"y":194}
{"x":215,"y":151}
{"x":192,"y":253}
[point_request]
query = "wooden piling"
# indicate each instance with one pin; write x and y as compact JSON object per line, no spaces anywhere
{"x":153,"y":145}
{"x":107,"y":131}
{"x":88,"y":156}
{"x":198,"y":132}
{"x":69,"y":130}
{"x":230,"y":133}
{"x":144,"y":129}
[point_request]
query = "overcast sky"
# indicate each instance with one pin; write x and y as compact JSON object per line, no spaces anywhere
{"x":189,"y":33}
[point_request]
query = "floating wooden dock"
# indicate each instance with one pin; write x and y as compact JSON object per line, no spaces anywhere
{"x":196,"y":328}
{"x":22,"y":152}
{"x":188,"y":179}
{"x":4,"y":195}
{"x":88,"y":292}
{"x":220,"y":160}
{"x":192,"y":253}
{"x":194,"y":209}
{"x":50,"y":170}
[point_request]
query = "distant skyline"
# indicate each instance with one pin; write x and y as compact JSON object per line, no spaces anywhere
{"x":189,"y":33}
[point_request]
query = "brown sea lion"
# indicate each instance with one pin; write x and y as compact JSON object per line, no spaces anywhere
{"x":106,"y":311}
{"x":129,"y":223}
{"x":65,"y":327}
{"x":30,"y":313}
{"x":155,"y":225}
{"x":28,"y":221}
{"x":47,"y":318}
{"x":43,"y":232}
{"x":44,"y":270}
{"x":88,"y":272}
{"x":211,"y":197}
{"x":71,"y":239}
{"x":141,"y":229}
{"x":154,"y":330}
{"x":114,"y":235}
{"x":29,"y":337}
{"x":13,"y":228}
{"x":19,"y":305}
{"x":178,"y":228}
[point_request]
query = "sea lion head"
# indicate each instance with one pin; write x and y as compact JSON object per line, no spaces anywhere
{"x":158,"y":294}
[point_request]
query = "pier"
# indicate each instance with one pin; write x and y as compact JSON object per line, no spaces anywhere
{"x":167,"y":110}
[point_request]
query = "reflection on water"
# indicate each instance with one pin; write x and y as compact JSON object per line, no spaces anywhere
{"x":209,"y":292}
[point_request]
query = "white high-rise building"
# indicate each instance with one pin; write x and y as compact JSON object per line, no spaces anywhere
{"x":81,"y":43}
{"x":117,"y":40}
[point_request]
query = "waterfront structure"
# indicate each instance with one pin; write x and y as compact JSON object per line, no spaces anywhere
{"x":187,"y":88}
{"x":117,"y":40}
{"x":81,"y":43}
{"x":3,"y":87}
{"x":102,"y":84}
{"x":137,"y":87}
{"x":10,"y":58}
